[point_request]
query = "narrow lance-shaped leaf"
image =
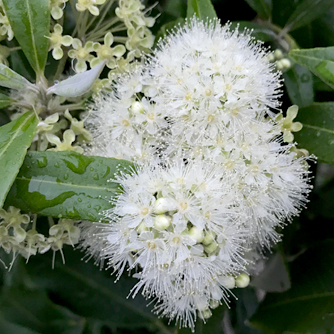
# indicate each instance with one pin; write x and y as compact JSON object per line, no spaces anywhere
{"x":308,"y":306}
{"x":30,"y":21}
{"x":15,"y":138}
{"x":203,"y":9}
{"x":262,"y":7}
{"x":66,"y":184}
{"x":79,"y":84}
{"x":317,"y":134}
{"x":306,"y":12}
{"x":11,"y":79}
{"x":319,"y":60}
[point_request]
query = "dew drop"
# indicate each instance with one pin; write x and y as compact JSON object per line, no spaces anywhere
{"x":79,"y":199}
{"x":89,"y":206}
{"x":318,"y":133}
{"x":56,"y":165}
{"x":42,"y":162}
{"x":65,"y":176}
{"x":95,"y":177}
{"x":91,"y":168}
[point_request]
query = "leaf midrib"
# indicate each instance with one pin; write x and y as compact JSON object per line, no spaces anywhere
{"x":318,"y":128}
{"x":61,"y":183}
{"x":301,"y":298}
{"x":32,"y":35}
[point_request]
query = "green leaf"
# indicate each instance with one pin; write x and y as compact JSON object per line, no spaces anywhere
{"x":317,"y":134}
{"x":203,"y":9}
{"x":259,"y":32}
{"x":5,"y":101}
{"x":92,"y":293}
{"x":308,"y":306}
{"x":66,"y":184}
{"x":319,"y":60}
{"x":299,"y":84}
{"x":306,"y":12}
{"x":262,"y":7}
{"x":11,"y":79}
{"x":7,"y":327}
{"x":30,"y":21}
{"x":31,"y":308}
{"x":15,"y":138}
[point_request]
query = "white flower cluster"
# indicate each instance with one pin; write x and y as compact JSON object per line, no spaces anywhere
{"x":215,"y":178}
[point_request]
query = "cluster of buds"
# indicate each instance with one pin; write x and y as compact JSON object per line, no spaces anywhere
{"x":18,"y":235}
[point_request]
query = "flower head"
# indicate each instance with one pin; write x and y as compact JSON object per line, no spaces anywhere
{"x":216,"y":181}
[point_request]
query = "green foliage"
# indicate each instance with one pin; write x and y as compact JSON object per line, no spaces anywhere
{"x":11,"y":79}
{"x":299,"y":84}
{"x":319,"y":60}
{"x":30,"y":21}
{"x":201,"y":8}
{"x":306,"y":12}
{"x":5,"y":101}
{"x":317,"y":135}
{"x":91,"y":293}
{"x":16,"y":138}
{"x":262,"y":7}
{"x":308,"y":306}
{"x":66,"y":184}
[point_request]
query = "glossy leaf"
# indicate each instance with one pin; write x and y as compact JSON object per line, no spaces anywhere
{"x":30,"y":21}
{"x":66,"y":184}
{"x":319,"y":60}
{"x":262,"y":7}
{"x":274,"y":277}
{"x":317,"y":134}
{"x":5,"y":101}
{"x":306,"y":12}
{"x":308,"y":306}
{"x":90,"y":292}
{"x":299,"y":85}
{"x":79,"y":84}
{"x":203,"y":9}
{"x":15,"y":138}
{"x":11,"y":79}
{"x":259,"y":32}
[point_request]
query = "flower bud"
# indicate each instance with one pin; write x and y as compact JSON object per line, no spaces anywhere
{"x":205,"y":314}
{"x":162,"y":222}
{"x":209,"y":237}
{"x":278,"y":54}
{"x":196,"y":234}
{"x":242,"y":281}
{"x":211,"y":247}
{"x":214,"y":303}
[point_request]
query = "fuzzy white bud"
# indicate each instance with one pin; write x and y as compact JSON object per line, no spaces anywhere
{"x":196,"y":234}
{"x":162,"y":222}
